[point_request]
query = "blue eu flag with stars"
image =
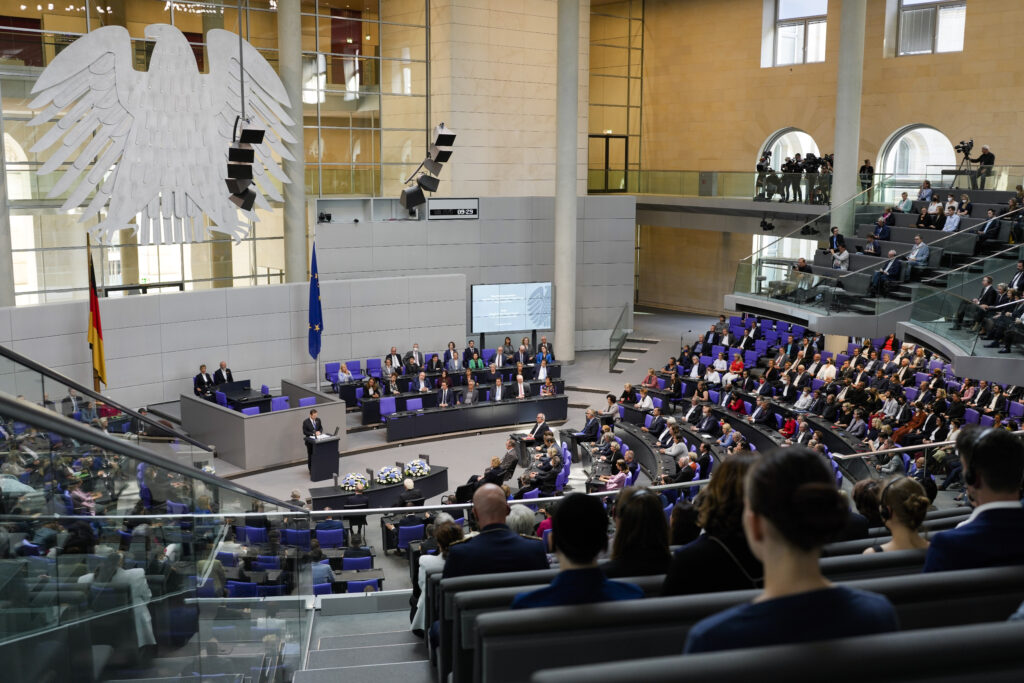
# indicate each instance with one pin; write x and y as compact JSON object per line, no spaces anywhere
{"x":316,"y":314}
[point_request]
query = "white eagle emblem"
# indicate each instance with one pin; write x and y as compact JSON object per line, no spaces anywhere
{"x":152,"y":146}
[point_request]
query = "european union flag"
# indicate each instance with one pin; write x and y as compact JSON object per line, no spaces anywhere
{"x":316,"y":314}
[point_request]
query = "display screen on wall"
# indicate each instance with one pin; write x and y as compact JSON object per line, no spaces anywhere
{"x":512,"y":307}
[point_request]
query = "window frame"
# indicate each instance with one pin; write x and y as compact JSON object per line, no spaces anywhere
{"x":934,"y":6}
{"x":798,"y":21}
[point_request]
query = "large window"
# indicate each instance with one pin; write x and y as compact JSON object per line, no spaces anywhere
{"x":800,"y":31}
{"x":927,"y":26}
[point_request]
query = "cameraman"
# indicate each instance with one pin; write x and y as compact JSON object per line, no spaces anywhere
{"x":795,"y":175}
{"x":985,"y":163}
{"x":761,"y":185}
{"x":811,"y":164}
{"x":867,"y":177}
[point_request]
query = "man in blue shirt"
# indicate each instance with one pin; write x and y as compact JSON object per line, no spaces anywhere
{"x":579,"y":530}
{"x":993,"y":467}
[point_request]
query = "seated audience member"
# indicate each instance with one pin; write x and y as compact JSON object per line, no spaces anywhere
{"x":522,"y":520}
{"x":590,"y":429}
{"x":640,"y":547}
{"x":925,"y":192}
{"x":614,"y":482}
{"x":446,"y":532}
{"x":645,"y":402}
{"x":993,"y":468}
{"x":475,"y":363}
{"x":579,"y":532}
{"x":111,"y":571}
{"x":905,"y":204}
{"x":721,"y":552}
{"x":902,"y":505}
{"x":683,"y":526}
{"x":497,"y":548}
{"x":924,"y":219}
{"x":792,"y":509}
{"x":202,"y":383}
{"x":628,"y":394}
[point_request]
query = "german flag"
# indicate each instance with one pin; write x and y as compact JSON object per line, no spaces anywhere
{"x":99,"y":363}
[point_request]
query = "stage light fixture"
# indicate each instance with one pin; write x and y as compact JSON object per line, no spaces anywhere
{"x":412,"y":197}
{"x":427,"y":183}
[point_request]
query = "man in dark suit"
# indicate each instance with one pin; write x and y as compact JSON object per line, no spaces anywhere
{"x":521,"y":356}
{"x":223,"y":374}
{"x":202,"y":384}
{"x":496,"y":548}
{"x":836,"y":240}
{"x":993,"y":467}
{"x":762,"y":414}
{"x":311,"y":428}
{"x":709,"y":424}
{"x":746,"y":342}
{"x":446,"y":397}
{"x":988,"y":230}
{"x":692,"y":414}
{"x":411,"y":495}
{"x":591,"y":429}
{"x":987,"y":297}
{"x":498,"y":392}
{"x":1017,"y":281}
{"x":657,"y":422}
{"x":415,"y":356}
{"x":396,"y":359}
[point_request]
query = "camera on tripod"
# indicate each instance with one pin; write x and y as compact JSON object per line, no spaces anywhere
{"x":965,"y":147}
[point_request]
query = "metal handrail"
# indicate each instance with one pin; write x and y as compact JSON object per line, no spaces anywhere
{"x":973,"y":263}
{"x":50,"y":373}
{"x":903,"y":449}
{"x":47,"y":420}
{"x":615,"y":347}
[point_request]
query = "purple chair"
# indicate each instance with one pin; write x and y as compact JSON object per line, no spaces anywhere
{"x":270,"y":591}
{"x":717,"y":349}
{"x":321,"y":589}
{"x":935,"y":365}
{"x":798,"y":331}
{"x":817,"y":384}
{"x":361,"y":586}
{"x":561,"y":480}
{"x":331,"y":538}
{"x":279,"y":403}
{"x":373,"y":367}
{"x":713,"y":395}
{"x":203,"y":590}
{"x":546,"y":536}
{"x":488,"y":355}
{"x":359,"y":396}
{"x":307,"y":401}
{"x":414,"y":404}
{"x":921,"y":377}
{"x":242,"y":589}
{"x":266,"y":562}
{"x":535,"y":493}
{"x":656,"y":401}
{"x":353,"y":367}
{"x":987,"y":421}
{"x":351,"y":564}
{"x":971,"y":416}
{"x":1016,"y":409}
{"x":706,"y":360}
{"x":750,"y":358}
{"x":662,"y":382}
{"x":387,"y":406}
{"x":256,"y":534}
{"x":910,"y":393}
{"x":406,"y":534}
{"x":265,"y":390}
{"x":228,"y":559}
{"x":221,"y":397}
{"x":647,"y":420}
{"x":251,"y":411}
{"x":296,"y":537}
{"x":331,"y":371}
{"x":622,"y":408}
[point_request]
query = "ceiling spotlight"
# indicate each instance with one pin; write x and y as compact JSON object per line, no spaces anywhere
{"x":412,"y":197}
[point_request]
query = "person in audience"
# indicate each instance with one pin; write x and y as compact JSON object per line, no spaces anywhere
{"x":727,"y":437}
{"x":111,"y":571}
{"x":924,"y":219}
{"x":614,"y":482}
{"x":902,"y":505}
{"x":993,"y":469}
{"x":951,"y":222}
{"x":792,"y":508}
{"x":446,"y":533}
{"x":579,"y":534}
{"x":202,"y":383}
{"x":841,"y":258}
{"x":683,"y":527}
{"x":720,"y":557}
{"x":905,"y":204}
{"x":590,"y":428}
{"x":521,"y":520}
{"x":918,"y":256}
{"x":628,"y":394}
{"x":924,"y":194}
{"x":966,"y":206}
{"x":640,"y":546}
{"x":936,"y":208}
{"x":986,"y":160}
{"x":496,"y":548}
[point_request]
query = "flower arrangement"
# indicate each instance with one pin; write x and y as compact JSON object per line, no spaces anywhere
{"x":417,"y":468}
{"x":209,"y":469}
{"x":388,"y":475}
{"x":352,"y":480}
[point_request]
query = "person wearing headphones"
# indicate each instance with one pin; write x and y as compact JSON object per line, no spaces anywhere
{"x":902,"y":505}
{"x":993,"y":469}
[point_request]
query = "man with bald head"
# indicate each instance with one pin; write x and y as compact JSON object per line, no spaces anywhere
{"x":496,"y":548}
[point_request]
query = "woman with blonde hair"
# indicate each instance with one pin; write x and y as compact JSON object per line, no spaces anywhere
{"x":902,"y":504}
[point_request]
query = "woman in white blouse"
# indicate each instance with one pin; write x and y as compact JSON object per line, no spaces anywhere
{"x":827,"y":372}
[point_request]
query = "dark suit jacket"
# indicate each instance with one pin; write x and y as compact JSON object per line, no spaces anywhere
{"x":766,"y":418}
{"x":308,"y":429}
{"x":538,"y":431}
{"x":836,"y":241}
{"x":447,"y":396}
{"x":590,"y":430}
{"x":709,"y":425}
{"x":989,"y":297}
{"x":222,"y":376}
{"x":495,"y":549}
{"x":657,"y":425}
{"x":201,"y":383}
{"x":992,"y":539}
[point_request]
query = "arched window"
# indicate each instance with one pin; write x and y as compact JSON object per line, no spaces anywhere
{"x":915,"y":152}
{"x":789,"y":142}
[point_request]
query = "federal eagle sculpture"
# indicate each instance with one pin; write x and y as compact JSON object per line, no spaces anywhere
{"x":151,"y":147}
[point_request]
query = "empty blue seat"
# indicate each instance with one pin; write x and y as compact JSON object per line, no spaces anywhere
{"x":256,"y":534}
{"x":387,"y":406}
{"x":331,"y":538}
{"x":987,"y":421}
{"x":414,"y":404}
{"x":228,"y":559}
{"x":221,"y":397}
{"x":714,"y":395}
{"x":647,"y":420}
{"x":321,"y":589}
{"x":409,"y":533}
{"x":331,"y":371}
{"x":971,"y":416}
{"x":487,"y":355}
{"x":265,"y":390}
{"x":307,"y":401}
{"x":242,"y":589}
{"x":373,"y":367}
{"x":362,"y":586}
{"x":280,"y":403}
{"x":351,"y":564}
{"x":353,"y":367}
{"x":656,"y":401}
{"x":206,"y":589}
{"x":299,"y":538}
{"x":268,"y":591}
{"x":1016,"y":409}
{"x":251,"y":411}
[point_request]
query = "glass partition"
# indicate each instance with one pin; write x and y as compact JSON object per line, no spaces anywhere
{"x":617,"y":339}
{"x":815,"y":188}
{"x":115,"y":564}
{"x":1001,"y":177}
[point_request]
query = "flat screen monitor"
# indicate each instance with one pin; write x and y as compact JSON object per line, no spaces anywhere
{"x":511,"y":307}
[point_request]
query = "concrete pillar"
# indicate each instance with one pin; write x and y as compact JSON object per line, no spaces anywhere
{"x":566,"y":122}
{"x":845,"y":184}
{"x":213,"y":259}
{"x":289,"y":61}
{"x":6,"y":257}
